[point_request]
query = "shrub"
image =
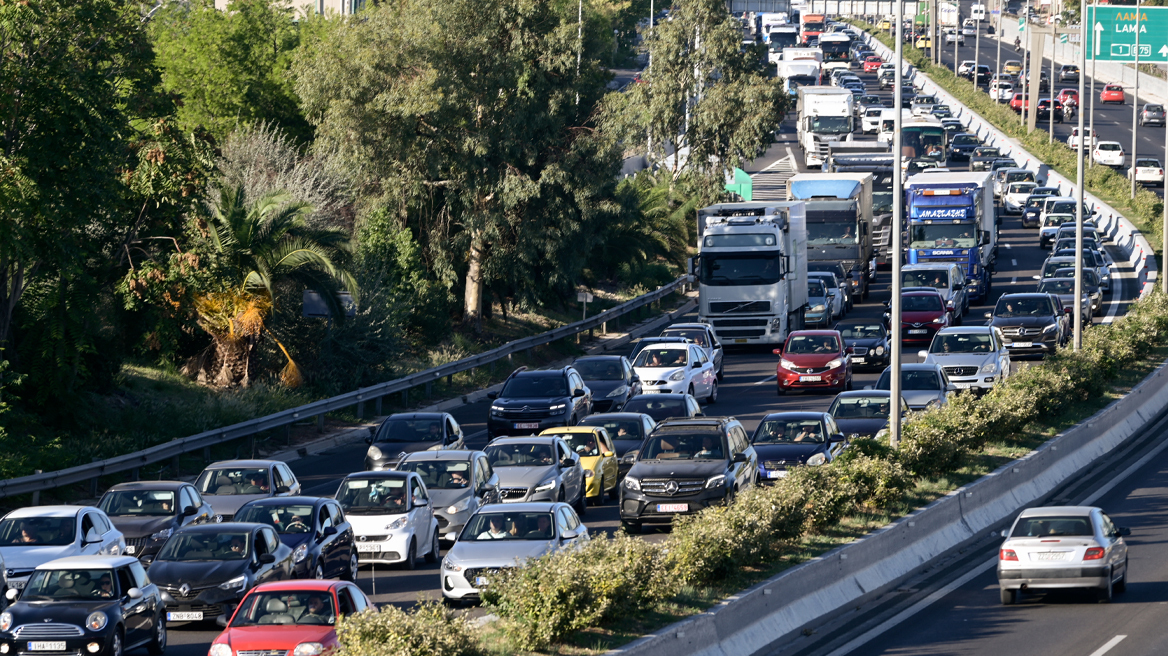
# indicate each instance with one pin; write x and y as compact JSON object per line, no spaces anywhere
{"x":427,"y":630}
{"x":878,"y":482}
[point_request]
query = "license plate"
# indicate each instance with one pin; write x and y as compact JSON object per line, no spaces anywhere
{"x":1021,"y":344}
{"x":809,"y":379}
{"x":740,"y":341}
{"x":859,"y":361}
{"x":46,"y":646}
{"x":672,"y":507}
{"x":963,"y":385}
{"x":782,"y":473}
{"x":1051,"y":555}
{"x":16,"y":585}
{"x":184,"y":617}
{"x":367,"y":547}
{"x":130,"y":549}
{"x":533,"y":425}
{"x":480,"y":581}
{"x":917,"y":331}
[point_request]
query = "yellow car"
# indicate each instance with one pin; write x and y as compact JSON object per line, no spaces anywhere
{"x":1012,"y":66}
{"x":597,"y":459}
{"x":924,"y":42}
{"x":885,"y":25}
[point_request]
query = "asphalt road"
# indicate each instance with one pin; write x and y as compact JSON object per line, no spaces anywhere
{"x":747,"y":393}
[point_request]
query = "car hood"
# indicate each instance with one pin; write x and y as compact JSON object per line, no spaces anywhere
{"x":524,"y":476}
{"x":961,"y":359}
{"x":229,"y":504}
{"x":294,"y":540}
{"x":394,"y":451}
{"x":140,"y":527}
{"x":679,"y":468}
{"x":497,"y":553}
{"x":657,"y":373}
{"x":197,"y":573}
{"x":870,"y":342}
{"x":30,"y":557}
{"x":602,"y":388}
{"x":811,"y":359}
{"x":371,"y":524}
{"x":1023,"y":322}
{"x":277,"y":637}
{"x":624,"y":446}
{"x":800,"y":452}
{"x":915,"y":398}
{"x":919,"y":317}
{"x":864,"y":427}
{"x":65,"y":612}
{"x":444,"y":498}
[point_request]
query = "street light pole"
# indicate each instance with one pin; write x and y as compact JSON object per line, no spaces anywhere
{"x":1024,"y":26}
{"x":998,"y":61}
{"x":976,"y":48}
{"x":1091,"y":97}
{"x":1053,"y":46}
{"x":897,"y":210}
{"x":1135,"y":105}
{"x":1079,"y":181}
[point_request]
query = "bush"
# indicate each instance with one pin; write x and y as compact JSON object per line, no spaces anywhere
{"x":427,"y":630}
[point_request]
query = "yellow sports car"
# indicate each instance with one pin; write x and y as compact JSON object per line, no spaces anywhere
{"x":597,"y":459}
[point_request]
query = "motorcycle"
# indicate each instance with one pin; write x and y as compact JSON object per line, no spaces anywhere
{"x":1017,"y":44}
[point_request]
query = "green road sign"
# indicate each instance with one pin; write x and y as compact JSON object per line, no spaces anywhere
{"x":1062,"y":38}
{"x":1113,"y":33}
{"x":1021,"y":24}
{"x":743,"y":185}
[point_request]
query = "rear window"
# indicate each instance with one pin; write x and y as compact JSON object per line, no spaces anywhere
{"x":1033,"y":527}
{"x":1110,"y":146}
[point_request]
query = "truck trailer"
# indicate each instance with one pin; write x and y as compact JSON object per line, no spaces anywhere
{"x":839,"y":223}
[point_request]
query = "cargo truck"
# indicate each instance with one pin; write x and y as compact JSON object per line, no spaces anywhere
{"x":811,"y":26}
{"x":825,"y":115}
{"x":951,"y":219}
{"x":839,"y":223}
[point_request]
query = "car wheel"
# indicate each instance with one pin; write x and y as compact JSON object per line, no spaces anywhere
{"x":354,"y":567}
{"x":1121,"y":585}
{"x":117,"y":647}
{"x":632,"y":528}
{"x":614,"y":493}
{"x":158,"y":643}
{"x":318,"y":572}
{"x":1008,"y":596}
{"x":690,"y":391}
{"x":581,"y":504}
{"x":411,"y":561}
{"x":435,"y":549}
{"x":713,"y":397}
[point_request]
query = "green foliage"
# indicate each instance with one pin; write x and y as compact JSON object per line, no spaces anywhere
{"x":427,"y":630}
{"x":395,"y":251}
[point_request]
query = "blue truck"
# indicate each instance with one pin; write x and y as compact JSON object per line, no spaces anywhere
{"x":951,"y":219}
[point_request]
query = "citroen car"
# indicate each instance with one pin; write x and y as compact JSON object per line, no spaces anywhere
{"x":531,"y":401}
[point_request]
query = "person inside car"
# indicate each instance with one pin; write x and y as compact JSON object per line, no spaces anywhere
{"x":458,"y":479}
{"x":105,"y":587}
{"x":435,"y":432}
{"x":27,"y":536}
{"x":297,"y":525}
{"x":315,"y":612}
{"x":709,"y":451}
{"x":542,"y":530}
{"x":808,"y":433}
{"x":495,"y":531}
{"x":237,"y":547}
{"x":257,"y":483}
{"x":588,"y":448}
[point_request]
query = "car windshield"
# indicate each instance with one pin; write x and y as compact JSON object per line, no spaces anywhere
{"x":1022,"y":307}
{"x":661,"y":357}
{"x":1061,"y":286}
{"x":787,"y":431}
{"x":373,"y":496}
{"x":987,"y":151}
{"x":697,"y":335}
{"x":618,"y":429}
{"x":60,"y":584}
{"x":861,"y":330}
{"x":964,"y":140}
{"x":427,"y":429}
{"x":860,"y":407}
{"x":1033,"y":527}
{"x":521,"y":454}
{"x":672,"y":445}
{"x":657,"y":408}
{"x":1054,"y":220}
{"x":816,"y":288}
{"x":291,"y":518}
{"x":521,"y":387}
{"x":1052,"y":269}
{"x":509,"y":526}
{"x":600,"y":369}
{"x":38,"y":531}
{"x":938,"y":279}
{"x":940,"y":235}
{"x":440,"y":474}
{"x":811,"y":344}
{"x":286,"y":607}
{"x":585,"y":445}
{"x":138,"y":503}
{"x":921,"y":303}
{"x":1034,"y":201}
{"x":1016,"y":176}
{"x":961,"y":343}
{"x":233,"y":480}
{"x":196,"y":546}
{"x":911,"y":380}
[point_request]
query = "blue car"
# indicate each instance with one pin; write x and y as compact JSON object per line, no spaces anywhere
{"x":962,"y":145}
{"x":784,"y":440}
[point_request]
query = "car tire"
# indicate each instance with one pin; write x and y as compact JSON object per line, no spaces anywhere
{"x":435,"y":549}
{"x":632,"y":528}
{"x":614,"y":493}
{"x":713,"y":397}
{"x":411,"y":561}
{"x":722,"y":370}
{"x":581,"y":504}
{"x":1121,"y":585}
{"x":690,"y":391}
{"x":318,"y":572}
{"x":157,"y":645}
{"x":351,"y":572}
{"x":1008,"y":597}
{"x":1105,"y":594}
{"x":118,"y":648}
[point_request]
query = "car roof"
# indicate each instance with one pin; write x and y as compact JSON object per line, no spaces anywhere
{"x":538,"y":373}
{"x":611,"y":415}
{"x":591,"y":358}
{"x":871,"y":392}
{"x":678,"y":345}
{"x":286,"y":501}
{"x":308,"y":585}
{"x":964,"y":330}
{"x":147,"y":485}
{"x":917,"y":366}
{"x":1057,"y":511}
{"x":659,"y":395}
{"x":46,"y":511}
{"x":225,"y":464}
{"x":529,"y":439}
{"x":1023,"y":295}
{"x":444,"y":454}
{"x":530,"y":506}
{"x":417,"y":415}
{"x":794,"y":415}
{"x":88,"y":562}
{"x":814,"y":332}
{"x":687,"y":326}
{"x":220,"y":528}
{"x":665,"y":339}
{"x":559,"y":430}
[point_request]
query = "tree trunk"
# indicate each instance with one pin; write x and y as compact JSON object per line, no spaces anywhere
{"x":473,"y":298}
{"x":13,"y":281}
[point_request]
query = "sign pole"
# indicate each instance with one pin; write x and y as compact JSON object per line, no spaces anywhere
{"x":1053,"y":50}
{"x":1135,"y":105}
{"x":1023,"y":27}
{"x":1098,"y":29}
{"x":1079,"y":181}
{"x":976,"y":48}
{"x":897,"y":211}
{"x":998,"y":61}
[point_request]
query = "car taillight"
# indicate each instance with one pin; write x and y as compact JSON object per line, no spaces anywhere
{"x":1094,"y":553}
{"x":1007,"y":554}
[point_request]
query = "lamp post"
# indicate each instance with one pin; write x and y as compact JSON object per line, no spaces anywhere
{"x":1135,"y":105}
{"x":897,"y":210}
{"x":1026,"y":65}
{"x":1053,"y":46}
{"x":998,"y":60}
{"x":1091,"y":98}
{"x":1079,"y":182}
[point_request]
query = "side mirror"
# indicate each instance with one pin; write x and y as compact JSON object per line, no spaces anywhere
{"x":608,"y":454}
{"x":91,"y":537}
{"x":283,"y":489}
{"x":221,"y":621}
{"x":887,"y":304}
{"x":849,"y":350}
{"x":950,"y":388}
{"x":329,"y":530}
{"x":1123,"y":531}
{"x":12,"y":594}
{"x":636,"y":378}
{"x":740,"y":457}
{"x":492,"y":395}
{"x":696,"y":365}
{"x":267,"y":558}
{"x":717,"y":345}
{"x":488,"y":487}
{"x":578,"y":393}
{"x":567,"y":462}
{"x":369,"y":440}
{"x":134,"y":593}
{"x":147,"y":560}
{"x":922,"y":354}
{"x":837,"y":438}
{"x":989,"y":315}
{"x":569,"y":535}
{"x":421,"y":502}
{"x":778,"y":351}
{"x":189,"y":511}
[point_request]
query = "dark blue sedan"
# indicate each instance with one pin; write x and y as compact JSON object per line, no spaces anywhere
{"x":314,"y":528}
{"x":962,"y":145}
{"x":784,"y":440}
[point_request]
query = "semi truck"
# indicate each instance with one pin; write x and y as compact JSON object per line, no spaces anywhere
{"x":825,"y":115}
{"x":880,"y":165}
{"x":951,"y":219}
{"x":839,"y":223}
{"x":811,"y":26}
{"x":798,"y":74}
{"x":783,"y":36}
{"x":751,"y":270}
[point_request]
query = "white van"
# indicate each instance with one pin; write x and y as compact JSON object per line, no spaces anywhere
{"x":888,"y":123}
{"x":946,"y":277}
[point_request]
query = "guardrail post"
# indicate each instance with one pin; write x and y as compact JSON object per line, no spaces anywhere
{"x":93,"y":481}
{"x":320,"y":423}
{"x":177,"y":466}
{"x":207,"y":454}
{"x":135,"y":475}
{"x":429,"y":389}
{"x":406,"y":398}
{"x":360,"y":410}
{"x":36,"y":496}
{"x":377,"y":407}
{"x":287,"y":434}
{"x":603,"y":327}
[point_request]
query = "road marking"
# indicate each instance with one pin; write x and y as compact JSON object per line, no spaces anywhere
{"x":1108,"y":645}
{"x":1014,"y":262}
{"x":1013,"y":281}
{"x":1007,"y":246}
{"x":766,"y":380}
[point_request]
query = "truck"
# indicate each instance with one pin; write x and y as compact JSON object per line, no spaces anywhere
{"x":811,"y":26}
{"x":751,"y":270}
{"x":881,"y":168}
{"x":798,"y":74}
{"x":951,"y":219}
{"x":839,"y":223}
{"x":782,"y":36}
{"x":769,"y":21}
{"x":824,"y":115}
{"x":949,"y":14}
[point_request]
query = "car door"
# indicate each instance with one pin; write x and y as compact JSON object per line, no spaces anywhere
{"x":454,"y":437}
{"x":343,"y":543}
{"x":136,"y":617}
{"x":325,"y":539}
{"x":697,"y":373}
{"x":88,"y":538}
{"x":609,"y":467}
{"x":746,"y":470}
{"x":205,"y":512}
{"x":421,"y":514}
{"x":716,"y":353}
{"x":112,"y":541}
{"x":832,"y":428}
{"x":572,"y":475}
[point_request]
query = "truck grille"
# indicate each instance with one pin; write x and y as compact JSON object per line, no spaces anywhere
{"x":960,"y":371}
{"x":739,"y":323}
{"x":759,"y":332}
{"x":512,"y":493}
{"x":658,"y":486}
{"x":49,"y":630}
{"x":740,"y":306}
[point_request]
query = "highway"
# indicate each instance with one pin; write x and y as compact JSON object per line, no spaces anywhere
{"x":748,"y":393}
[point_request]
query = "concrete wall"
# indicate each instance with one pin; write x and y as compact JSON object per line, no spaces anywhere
{"x":343,"y":7}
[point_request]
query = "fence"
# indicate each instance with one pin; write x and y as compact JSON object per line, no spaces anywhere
{"x":318,"y":409}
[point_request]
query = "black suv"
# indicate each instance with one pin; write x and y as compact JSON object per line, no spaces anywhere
{"x":534,"y":400}
{"x":685,"y":465}
{"x":1032,"y":324}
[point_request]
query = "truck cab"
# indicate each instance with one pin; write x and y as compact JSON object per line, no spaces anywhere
{"x":952,"y":219}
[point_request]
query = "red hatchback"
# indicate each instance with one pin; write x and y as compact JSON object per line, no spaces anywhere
{"x":922,"y":314}
{"x":296,"y":618}
{"x":1111,"y":93}
{"x":814,"y":360}
{"x":872,"y":64}
{"x":1019,"y":103}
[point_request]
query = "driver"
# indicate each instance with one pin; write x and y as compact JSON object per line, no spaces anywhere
{"x":257,"y":483}
{"x":808,"y":433}
{"x":495,"y":530}
{"x":297,"y":525}
{"x":708,"y":449}
{"x":435,"y":431}
{"x":105,"y":587}
{"x":315,"y":610}
{"x":27,"y":536}
{"x":588,"y":448}
{"x":458,"y":479}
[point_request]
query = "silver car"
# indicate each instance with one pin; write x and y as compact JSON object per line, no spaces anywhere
{"x":835,"y":293}
{"x":537,"y":469}
{"x":922,"y":386}
{"x":459,"y":483}
{"x":1064,"y":288}
{"x":34,"y":536}
{"x":972,"y":357}
{"x":1062,"y":547}
{"x":502,"y":536}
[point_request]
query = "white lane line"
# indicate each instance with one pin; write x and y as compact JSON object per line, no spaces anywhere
{"x":1113,"y":304}
{"x":766,"y":380}
{"x":1007,"y":246}
{"x":1014,"y":262}
{"x":1108,"y":645}
{"x":1013,"y":281}
{"x":1127,"y":472}
{"x":915,"y":608}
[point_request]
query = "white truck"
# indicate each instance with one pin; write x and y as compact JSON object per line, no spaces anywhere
{"x":798,"y":74}
{"x":825,"y":114}
{"x":949,"y":14}
{"x":751,"y":270}
{"x":839,"y":223}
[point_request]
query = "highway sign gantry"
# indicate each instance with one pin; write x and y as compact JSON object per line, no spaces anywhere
{"x":1114,"y":29}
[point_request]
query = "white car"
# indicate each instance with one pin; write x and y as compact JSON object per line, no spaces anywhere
{"x":953,"y":36}
{"x":965,"y":67}
{"x":672,"y":367}
{"x":1148,"y":171}
{"x":1109,"y":153}
{"x":1015,"y":197}
{"x":1050,"y":226}
{"x":393,"y":521}
{"x":972,"y":357}
{"x":969,"y":27}
{"x":835,"y":297}
{"x":870,"y":121}
{"x":1073,"y":140}
{"x":704,"y":336}
{"x":1060,"y":547}
{"x":34,"y":536}
{"x":1002,"y":91}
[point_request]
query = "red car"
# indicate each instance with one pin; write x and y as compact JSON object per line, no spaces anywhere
{"x":1068,"y":97}
{"x":1019,"y":102}
{"x":872,"y":64}
{"x":296,"y":618}
{"x":922,"y":314}
{"x":1111,"y":93}
{"x":814,"y":360}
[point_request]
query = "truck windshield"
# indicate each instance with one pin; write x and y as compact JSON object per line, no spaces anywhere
{"x":740,"y":269}
{"x":942,"y":236}
{"x":812,"y":27}
{"x":780,"y":40}
{"x":797,"y":81}
{"x":831,"y":124}
{"x":829,"y":231}
{"x":924,"y":141}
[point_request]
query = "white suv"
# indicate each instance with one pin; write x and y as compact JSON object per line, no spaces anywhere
{"x":704,"y":336}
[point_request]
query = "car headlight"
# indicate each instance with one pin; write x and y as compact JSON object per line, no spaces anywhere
{"x":818,"y":308}
{"x":237,"y":583}
{"x":496,"y":410}
{"x":588,"y":473}
{"x":220,"y":649}
{"x":677,"y":375}
{"x":400,"y":522}
{"x":989,"y":368}
{"x":96,"y":621}
{"x":373,"y":453}
{"x":164,"y":534}
{"x":817,"y":459}
{"x":301,"y":553}
{"x":716,"y":481}
{"x":939,"y":320}
{"x":632,"y":483}
{"x":1051,"y":328}
{"x":447,"y":564}
{"x":620,"y":391}
{"x":308,"y":649}
{"x":5,"y":621}
{"x":558,"y":406}
{"x":835,"y":363}
{"x":787,"y":364}
{"x":546,"y":485}
{"x":460,"y":506}
{"x":880,"y":350}
{"x":935,"y":403}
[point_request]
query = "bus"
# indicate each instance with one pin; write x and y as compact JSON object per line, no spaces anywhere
{"x":923,"y":137}
{"x":835,"y":47}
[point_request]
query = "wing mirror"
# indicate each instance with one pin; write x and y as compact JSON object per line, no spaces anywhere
{"x":147,"y":560}
{"x":849,"y":350}
{"x":283,"y":489}
{"x":12,"y":594}
{"x":267,"y":558}
{"x":740,"y":457}
{"x":922,"y":354}
{"x":778,"y":351}
{"x":91,"y":537}
{"x":1122,"y":531}
{"x":221,"y":621}
{"x":329,"y":530}
{"x":369,"y":440}
{"x":421,"y":502}
{"x":189,"y":511}
{"x":717,"y":345}
{"x":950,"y":388}
{"x":492,"y":395}
{"x":837,"y":438}
{"x":608,"y":454}
{"x":695,"y":365}
{"x":488,"y":487}
{"x":989,"y":315}
{"x":567,"y":462}
{"x":134,"y":593}
{"x":569,"y":535}
{"x":578,"y":393}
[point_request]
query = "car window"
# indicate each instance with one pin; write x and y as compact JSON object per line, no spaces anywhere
{"x":139,"y":574}
{"x":344,"y":602}
{"x":417,"y":491}
{"x":563,"y":449}
{"x":87,"y":524}
{"x":325,"y":518}
{"x":125,"y":580}
{"x":102,"y":524}
{"x":357,"y":597}
{"x":272,"y":539}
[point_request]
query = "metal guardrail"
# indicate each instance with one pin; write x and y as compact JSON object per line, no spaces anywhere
{"x":317,"y":409}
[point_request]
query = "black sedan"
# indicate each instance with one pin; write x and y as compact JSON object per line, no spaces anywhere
{"x":868,"y":342}
{"x":794,"y":439}
{"x":611,"y":379}
{"x":204,"y":571}
{"x":410,"y":432}
{"x":862,"y":413}
{"x":664,"y":406}
{"x":628,"y":430}
{"x":94,"y":605}
{"x":315,"y":529}
{"x":962,"y":145}
{"x":149,"y":512}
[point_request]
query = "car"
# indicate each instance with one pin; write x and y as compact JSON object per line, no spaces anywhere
{"x":922,"y":314}
{"x":1067,"y":229}
{"x":1151,"y":114}
{"x":110,"y":596}
{"x":684,"y":466}
{"x":1031,"y":323}
{"x":35,"y":535}
{"x":627,"y":430}
{"x":952,"y":126}
{"x":983,"y":74}
{"x":204,"y":571}
{"x":870,"y":120}
{"x":887,"y":78}
{"x":663,"y":406}
{"x":531,"y":401}
{"x":538,"y":468}
{"x":851,"y":283}
{"x":953,"y":36}
{"x":907,"y":91}
{"x":1073,"y":140}
{"x":1001,"y":91}
{"x":1068,"y":73}
{"x":1147,"y":171}
{"x":1002,"y":163}
{"x":923,"y":43}
{"x":961,"y":146}
{"x":785,"y":440}
{"x":863,"y":413}
{"x":1092,"y":257}
{"x":1109,"y":153}
{"x":1112,"y":93}
{"x":149,"y":512}
{"x":1012,"y":66}
{"x":1043,"y":80}
{"x":1089,"y":244}
{"x":1016,"y":195}
{"x":1062,"y":547}
{"x":969,"y":27}
{"x":924,"y":386}
{"x":867,"y":341}
{"x":229,"y":484}
{"x":704,"y":336}
{"x":458,"y":482}
{"x":1043,"y":110}
{"x":408,"y":432}
{"x":837,"y":296}
{"x":813,"y":360}
{"x":1064,"y":288}
{"x":855,"y":86}
{"x":598,"y":459}
{"x":948,"y":278}
{"x":677,"y":368}
{"x":1052,"y":224}
{"x":1068,"y":97}
{"x":392,"y":516}
{"x":1006,"y":176}
{"x":983,"y":156}
{"x":872,"y":63}
{"x":1064,"y":267}
{"x":867,"y":102}
{"x":610,"y":378}
{"x":317,"y":531}
{"x":646,"y":342}
{"x":1032,"y":207}
{"x":290,"y":617}
{"x":503,"y":536}
{"x":971,"y":357}
{"x":941,"y":111}
{"x":818,"y":311}
{"x":922,"y":105}
{"x":966,"y":67}
{"x":1020,"y":102}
